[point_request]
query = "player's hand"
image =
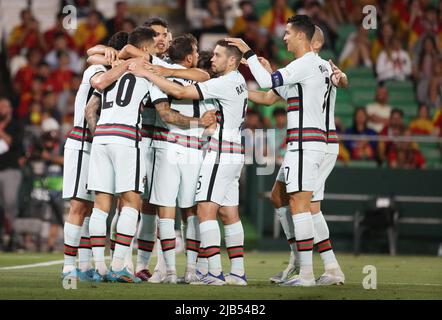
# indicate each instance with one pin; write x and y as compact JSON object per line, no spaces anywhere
{"x":266,"y":64}
{"x":208,"y":118}
{"x":239,"y":43}
{"x":337,"y":73}
{"x":137,"y":66}
{"x":159,"y":70}
{"x":110,"y":54}
{"x":210,"y":130}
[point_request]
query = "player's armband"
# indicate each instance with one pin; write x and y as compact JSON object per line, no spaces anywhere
{"x":277,"y":80}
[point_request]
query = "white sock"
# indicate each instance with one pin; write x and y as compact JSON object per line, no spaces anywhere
{"x":146,"y":240}
{"x":192,"y":241}
{"x":304,"y":239}
{"x":113,"y":232}
{"x":183,"y":228}
{"x":97,"y":231}
{"x":126,"y":228}
{"x":211,"y":241}
{"x":322,"y":240}
{"x":234,"y":237}
{"x":168,"y":242}
{"x":85,"y":249}
{"x":285,"y":217}
{"x":128,"y":259}
{"x":72,"y":235}
{"x":202,"y":263}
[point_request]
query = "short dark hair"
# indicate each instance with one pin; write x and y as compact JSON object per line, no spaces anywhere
{"x":204,"y":60}
{"x":181,"y":47}
{"x":304,"y":24}
{"x":156,"y":22}
{"x":279,"y":112}
{"x":398,"y":111}
{"x":139,"y":35}
{"x":118,"y":40}
{"x":231,"y":50}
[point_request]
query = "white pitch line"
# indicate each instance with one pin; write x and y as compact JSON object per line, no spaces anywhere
{"x":36,"y":265}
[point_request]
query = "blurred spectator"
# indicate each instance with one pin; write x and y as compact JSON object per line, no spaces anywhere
{"x":61,"y":45}
{"x":255,"y":141}
{"x":27,"y":35}
{"x":422,"y":124}
{"x":50,"y":105}
{"x":423,"y":66}
{"x":344,"y":154}
{"x":115,"y":24}
{"x":207,"y":18}
{"x":393,"y":63}
{"x":62,"y":76}
{"x":24,"y":76}
{"x":11,"y":150}
{"x":128,"y":25}
{"x":239,"y":26}
{"x":405,"y":155}
{"x":275,"y":18}
{"x":435,"y":86}
{"x":379,"y":111}
{"x":90,"y":32}
{"x":361,"y":150}
{"x":27,"y":97}
{"x":384,"y":37}
{"x":424,"y":24}
{"x":83,"y":7}
{"x":51,"y":35}
{"x":259,"y":41}
{"x":437,"y":121}
{"x":356,"y":51}
{"x":395,"y":128}
{"x":325,"y":22}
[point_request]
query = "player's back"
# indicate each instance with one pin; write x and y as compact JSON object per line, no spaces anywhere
{"x":230,"y":94}
{"x":79,"y":138}
{"x":120,"y":118}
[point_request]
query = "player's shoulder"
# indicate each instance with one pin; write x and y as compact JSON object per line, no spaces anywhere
{"x":93,"y":69}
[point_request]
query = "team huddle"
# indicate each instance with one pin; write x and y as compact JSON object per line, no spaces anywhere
{"x":158,"y":126}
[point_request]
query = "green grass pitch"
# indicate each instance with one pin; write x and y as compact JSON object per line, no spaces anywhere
{"x":402,"y":277}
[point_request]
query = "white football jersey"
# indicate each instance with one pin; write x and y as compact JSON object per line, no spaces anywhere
{"x":304,"y":85}
{"x":330,"y":126}
{"x":80,"y":138}
{"x":229,"y":92}
{"x":187,"y":107}
{"x":122,"y":101}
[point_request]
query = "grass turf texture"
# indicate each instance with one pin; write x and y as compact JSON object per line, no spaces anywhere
{"x":403,"y":277}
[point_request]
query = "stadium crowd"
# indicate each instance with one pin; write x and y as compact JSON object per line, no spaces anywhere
{"x":45,"y":68}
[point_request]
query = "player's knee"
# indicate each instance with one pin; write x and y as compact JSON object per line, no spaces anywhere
{"x":79,"y":209}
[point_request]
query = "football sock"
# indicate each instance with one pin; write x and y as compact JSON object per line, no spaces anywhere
{"x":322,"y":240}
{"x":113,"y":232}
{"x":168,"y":242}
{"x":285,"y":217}
{"x":234,"y":237}
{"x":85,"y":249}
{"x":192,"y":241}
{"x":97,"y":231}
{"x":211,"y":240}
{"x":126,"y":228}
{"x":304,"y":240}
{"x":146,"y":240}
{"x":72,"y":235}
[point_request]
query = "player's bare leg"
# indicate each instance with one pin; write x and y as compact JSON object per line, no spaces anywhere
{"x":126,"y":229}
{"x":333,"y":273}
{"x":234,"y":238}
{"x":192,"y":242}
{"x":280,"y":200}
{"x":168,"y":241}
{"x":78,"y":211}
{"x":303,"y":224}
{"x":210,"y":241}
{"x":97,"y":231}
{"x":147,"y":233}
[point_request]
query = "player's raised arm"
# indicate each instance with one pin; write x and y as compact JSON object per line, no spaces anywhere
{"x":90,"y":112}
{"x":194,"y":74}
{"x":171,"y":116}
{"x":263,"y":97}
{"x":102,"y":80}
{"x":170,"y":88}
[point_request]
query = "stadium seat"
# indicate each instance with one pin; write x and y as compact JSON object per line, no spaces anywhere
{"x":343,"y":31}
{"x":346,"y":109}
{"x":363,"y":96}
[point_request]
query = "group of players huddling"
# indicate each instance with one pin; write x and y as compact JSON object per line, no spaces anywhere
{"x":157,"y":125}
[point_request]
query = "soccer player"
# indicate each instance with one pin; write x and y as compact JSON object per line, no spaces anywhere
{"x":162,"y":36}
{"x":76,"y":164}
{"x":147,"y":230}
{"x":178,"y":158}
{"x":218,"y":185}
{"x":333,"y":273}
{"x":304,"y":84}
